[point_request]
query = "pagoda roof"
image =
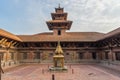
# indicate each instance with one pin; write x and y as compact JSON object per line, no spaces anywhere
{"x":9,"y":35}
{"x":54,"y":14}
{"x":53,"y":22}
{"x":60,"y":13}
{"x":58,"y":21}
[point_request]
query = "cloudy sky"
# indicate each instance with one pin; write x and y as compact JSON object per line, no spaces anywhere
{"x":29,"y":16}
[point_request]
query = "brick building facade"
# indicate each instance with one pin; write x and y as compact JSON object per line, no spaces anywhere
{"x":77,"y":46}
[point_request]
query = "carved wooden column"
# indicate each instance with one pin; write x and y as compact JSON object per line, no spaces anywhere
{"x":110,"y":55}
{"x":114,"y":56}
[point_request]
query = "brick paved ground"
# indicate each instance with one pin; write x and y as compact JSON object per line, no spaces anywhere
{"x":75,"y":72}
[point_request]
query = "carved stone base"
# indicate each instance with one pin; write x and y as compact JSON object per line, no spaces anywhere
{"x":58,"y":68}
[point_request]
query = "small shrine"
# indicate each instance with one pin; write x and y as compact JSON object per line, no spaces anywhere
{"x":58,"y":59}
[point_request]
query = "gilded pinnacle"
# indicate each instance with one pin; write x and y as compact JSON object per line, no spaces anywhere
{"x":59,"y":49}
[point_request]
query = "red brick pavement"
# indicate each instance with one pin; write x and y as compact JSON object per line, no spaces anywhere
{"x":75,"y":72}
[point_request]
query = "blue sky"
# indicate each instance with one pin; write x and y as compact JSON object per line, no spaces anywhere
{"x":29,"y":16}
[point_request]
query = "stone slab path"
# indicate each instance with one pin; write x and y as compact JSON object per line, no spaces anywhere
{"x":75,"y":72}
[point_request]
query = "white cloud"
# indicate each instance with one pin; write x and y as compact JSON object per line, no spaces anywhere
{"x":94,"y":15}
{"x":87,"y":15}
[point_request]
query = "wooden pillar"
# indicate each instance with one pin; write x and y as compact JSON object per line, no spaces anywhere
{"x":5,"y":57}
{"x":114,"y":56}
{"x":103,"y":55}
{"x":110,"y":55}
{"x":98,"y":56}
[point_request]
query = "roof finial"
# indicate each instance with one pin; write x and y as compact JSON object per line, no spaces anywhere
{"x":59,"y":5}
{"x":59,"y":49}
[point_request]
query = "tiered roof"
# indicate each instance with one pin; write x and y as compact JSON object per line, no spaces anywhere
{"x":70,"y":36}
{"x":9,"y":35}
{"x":59,"y":20}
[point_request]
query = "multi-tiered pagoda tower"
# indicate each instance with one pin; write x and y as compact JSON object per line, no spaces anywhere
{"x":59,"y":23}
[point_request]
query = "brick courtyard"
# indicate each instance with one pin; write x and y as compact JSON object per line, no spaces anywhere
{"x":75,"y":72}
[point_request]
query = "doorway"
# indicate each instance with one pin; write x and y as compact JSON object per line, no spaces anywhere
{"x":94,"y":55}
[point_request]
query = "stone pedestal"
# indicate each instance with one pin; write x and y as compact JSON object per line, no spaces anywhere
{"x":58,"y":63}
